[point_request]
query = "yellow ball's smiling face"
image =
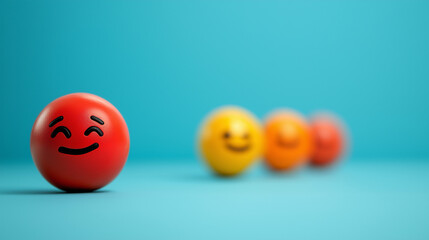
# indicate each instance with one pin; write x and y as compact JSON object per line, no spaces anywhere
{"x":237,"y":137}
{"x":230,"y":140}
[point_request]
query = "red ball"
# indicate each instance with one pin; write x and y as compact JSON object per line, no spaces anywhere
{"x":80,"y":142}
{"x":328,"y":140}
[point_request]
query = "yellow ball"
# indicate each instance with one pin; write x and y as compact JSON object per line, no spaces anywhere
{"x":230,"y":140}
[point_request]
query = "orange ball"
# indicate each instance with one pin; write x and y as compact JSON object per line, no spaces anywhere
{"x":328,"y":140}
{"x":287,"y":141}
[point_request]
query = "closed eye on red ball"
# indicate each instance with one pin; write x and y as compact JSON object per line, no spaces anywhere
{"x":62,"y":129}
{"x":93,"y":129}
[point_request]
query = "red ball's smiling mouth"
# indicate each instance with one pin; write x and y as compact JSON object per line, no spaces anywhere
{"x":78,"y":151}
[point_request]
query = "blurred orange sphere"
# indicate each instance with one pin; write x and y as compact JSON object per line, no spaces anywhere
{"x":287,"y":141}
{"x":328,"y":140}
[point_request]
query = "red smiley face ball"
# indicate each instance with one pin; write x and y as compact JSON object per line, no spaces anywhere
{"x":79,"y":142}
{"x":328,"y":140}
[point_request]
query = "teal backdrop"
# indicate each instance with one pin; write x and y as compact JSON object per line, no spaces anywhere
{"x":166,"y":64}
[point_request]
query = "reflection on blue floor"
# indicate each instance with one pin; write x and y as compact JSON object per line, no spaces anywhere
{"x":370,"y":199}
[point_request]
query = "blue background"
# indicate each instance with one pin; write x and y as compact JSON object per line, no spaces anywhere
{"x":166,"y":64}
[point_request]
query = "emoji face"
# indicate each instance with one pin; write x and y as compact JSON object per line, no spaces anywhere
{"x":230,"y":140}
{"x":287,"y":141}
{"x":328,"y":140}
{"x":79,"y":142}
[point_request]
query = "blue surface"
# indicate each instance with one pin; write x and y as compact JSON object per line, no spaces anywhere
{"x":371,"y":199}
{"x":166,"y":64}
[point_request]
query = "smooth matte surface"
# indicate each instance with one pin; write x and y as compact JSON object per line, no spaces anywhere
{"x":371,"y":199}
{"x":166,"y":63}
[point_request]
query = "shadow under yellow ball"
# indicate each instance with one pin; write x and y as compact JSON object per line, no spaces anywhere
{"x":230,"y":140}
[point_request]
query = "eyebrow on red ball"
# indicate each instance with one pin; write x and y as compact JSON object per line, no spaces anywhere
{"x":96,"y":119}
{"x":56,"y":120}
